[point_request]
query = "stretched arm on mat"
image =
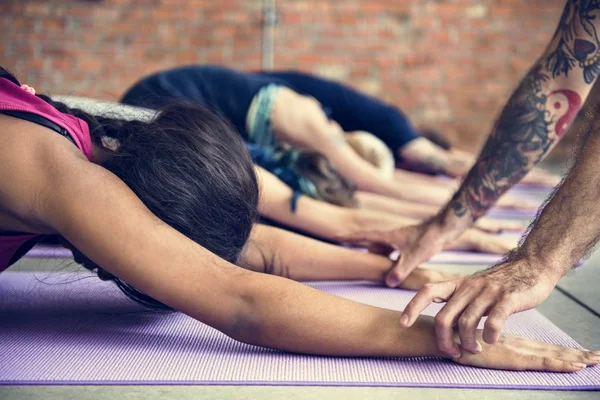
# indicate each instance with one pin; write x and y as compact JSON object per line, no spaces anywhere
{"x":329,"y":221}
{"x":57,"y":190}
{"x":279,"y":252}
{"x":536,"y":116}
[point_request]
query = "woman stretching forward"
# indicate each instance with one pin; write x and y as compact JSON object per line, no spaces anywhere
{"x":133,"y":212}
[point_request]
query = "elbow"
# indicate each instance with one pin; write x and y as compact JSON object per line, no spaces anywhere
{"x":244,"y":322}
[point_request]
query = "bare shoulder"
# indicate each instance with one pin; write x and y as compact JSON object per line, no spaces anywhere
{"x":31,"y":156}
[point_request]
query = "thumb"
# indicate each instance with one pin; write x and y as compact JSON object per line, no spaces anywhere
{"x":401,"y":270}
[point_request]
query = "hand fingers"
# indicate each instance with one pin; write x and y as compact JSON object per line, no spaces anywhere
{"x":405,"y":265}
{"x":540,"y":363}
{"x":28,"y":89}
{"x":512,"y":226}
{"x":469,"y":320}
{"x":447,"y":318}
{"x":431,"y":292}
{"x":567,"y":353}
{"x":495,"y":322}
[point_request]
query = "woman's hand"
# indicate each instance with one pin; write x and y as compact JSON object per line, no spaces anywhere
{"x":520,"y":354}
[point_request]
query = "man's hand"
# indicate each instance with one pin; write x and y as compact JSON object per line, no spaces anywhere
{"x":498,"y":292}
{"x":417,"y":243}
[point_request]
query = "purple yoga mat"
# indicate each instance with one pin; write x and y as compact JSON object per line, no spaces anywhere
{"x":71,"y":328}
{"x":46,"y":251}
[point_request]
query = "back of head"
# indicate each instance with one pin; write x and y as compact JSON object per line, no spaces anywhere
{"x":189,"y":167}
{"x":192,"y":171}
{"x":331,"y":186}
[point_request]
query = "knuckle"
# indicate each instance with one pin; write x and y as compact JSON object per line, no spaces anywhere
{"x":494,"y":325}
{"x":506,"y":298}
{"x":546,"y":361}
{"x":446,"y":349}
{"x":442,"y":321}
{"x":428,"y":288}
{"x":466,"y":321}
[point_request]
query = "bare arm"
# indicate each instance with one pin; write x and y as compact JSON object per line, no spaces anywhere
{"x":279,"y":252}
{"x":375,"y":202}
{"x":317,"y":217}
{"x":536,"y":116}
{"x":99,"y":215}
{"x":300,"y":121}
{"x":329,"y":221}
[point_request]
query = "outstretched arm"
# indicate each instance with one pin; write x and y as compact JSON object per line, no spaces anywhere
{"x":283,"y":253}
{"x":300,"y":121}
{"x":329,"y":221}
{"x":62,"y":192}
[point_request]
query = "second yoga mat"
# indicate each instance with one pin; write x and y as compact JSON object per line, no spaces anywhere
{"x":67,"y":328}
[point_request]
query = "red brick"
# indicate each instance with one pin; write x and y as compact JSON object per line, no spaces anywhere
{"x":409,"y":51}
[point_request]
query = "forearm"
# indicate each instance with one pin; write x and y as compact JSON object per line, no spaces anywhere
{"x":409,"y":191}
{"x":536,"y":116}
{"x":290,"y":316}
{"x":283,"y":253}
{"x":316,"y":217}
{"x":402,"y":176}
{"x":569,"y":225}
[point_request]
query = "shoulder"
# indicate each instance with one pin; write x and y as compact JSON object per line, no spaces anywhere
{"x":33,"y":158}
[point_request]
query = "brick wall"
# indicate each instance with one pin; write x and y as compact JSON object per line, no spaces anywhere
{"x":449,"y":64}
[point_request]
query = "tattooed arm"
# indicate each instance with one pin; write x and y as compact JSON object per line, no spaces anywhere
{"x":563,"y":233}
{"x":536,"y":116}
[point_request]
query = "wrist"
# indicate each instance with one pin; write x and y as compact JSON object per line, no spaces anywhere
{"x":423,"y":339}
{"x":448,"y":224}
{"x":548,"y":265}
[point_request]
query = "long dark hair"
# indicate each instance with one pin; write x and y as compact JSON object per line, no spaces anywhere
{"x":188,"y":166}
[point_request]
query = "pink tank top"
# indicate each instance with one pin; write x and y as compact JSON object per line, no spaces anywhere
{"x":13,"y":98}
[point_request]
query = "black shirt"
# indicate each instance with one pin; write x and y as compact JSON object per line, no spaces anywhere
{"x":229,"y":93}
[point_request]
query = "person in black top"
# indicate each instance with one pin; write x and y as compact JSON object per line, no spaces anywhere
{"x":290,"y":108}
{"x":231,"y":93}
